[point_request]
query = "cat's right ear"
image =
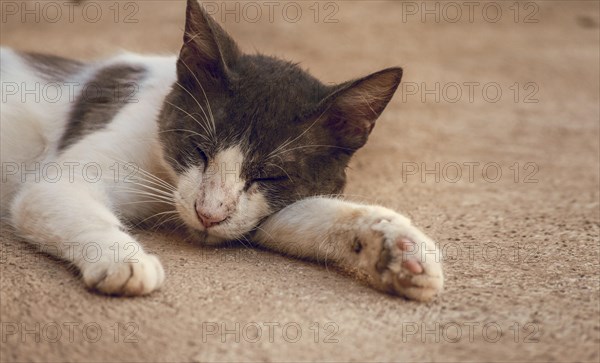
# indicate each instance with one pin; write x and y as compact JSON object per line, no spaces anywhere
{"x":207,"y":49}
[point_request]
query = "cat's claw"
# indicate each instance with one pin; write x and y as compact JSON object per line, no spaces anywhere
{"x":406,"y":262}
{"x":140,"y":276}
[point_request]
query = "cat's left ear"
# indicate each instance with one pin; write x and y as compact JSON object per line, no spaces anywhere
{"x":349,"y":114}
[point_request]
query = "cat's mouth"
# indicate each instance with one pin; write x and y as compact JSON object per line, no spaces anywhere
{"x":226,"y":228}
{"x":209,"y":222}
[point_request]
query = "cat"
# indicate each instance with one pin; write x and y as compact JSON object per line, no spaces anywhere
{"x":233,"y":146}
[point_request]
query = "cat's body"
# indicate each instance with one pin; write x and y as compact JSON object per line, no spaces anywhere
{"x":234,"y":146}
{"x":41,"y":135}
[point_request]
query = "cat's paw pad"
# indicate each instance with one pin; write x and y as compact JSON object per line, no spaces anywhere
{"x":406,"y":261}
{"x":413,"y":271}
{"x":139,"y":276}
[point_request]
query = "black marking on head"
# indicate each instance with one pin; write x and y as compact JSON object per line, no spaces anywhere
{"x":297,"y":134}
{"x":52,"y":67}
{"x":102,"y":97}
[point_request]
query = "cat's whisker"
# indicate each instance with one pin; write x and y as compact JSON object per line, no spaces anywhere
{"x":138,"y":184}
{"x":242,"y":243}
{"x":176,"y":161}
{"x":156,"y":179}
{"x":155,"y":215}
{"x":150,"y":201}
{"x":307,"y":146}
{"x":178,"y":226}
{"x":195,"y":100}
{"x":206,"y":118}
{"x":168,"y":194}
{"x":193,"y":133}
{"x":190,"y":115}
{"x":205,"y":96}
{"x":202,"y":124}
{"x":203,"y":136}
{"x":164,"y":220}
{"x":271,"y":155}
{"x":154,"y":185}
{"x":280,"y":147}
{"x":139,"y":192}
{"x":282,"y":169}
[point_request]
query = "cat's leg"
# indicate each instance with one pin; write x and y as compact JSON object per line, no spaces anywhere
{"x":73,"y":221}
{"x":371,"y":242}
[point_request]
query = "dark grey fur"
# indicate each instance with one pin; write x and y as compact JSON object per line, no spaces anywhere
{"x":261,"y":102}
{"x":102,"y":97}
{"x":258,"y":102}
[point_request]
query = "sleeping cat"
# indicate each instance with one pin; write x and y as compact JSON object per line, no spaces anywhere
{"x":233,"y":146}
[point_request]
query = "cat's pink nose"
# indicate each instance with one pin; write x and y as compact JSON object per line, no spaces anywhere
{"x":209,"y":219}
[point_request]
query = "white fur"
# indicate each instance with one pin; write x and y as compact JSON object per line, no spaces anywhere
{"x":80,"y":220}
{"x":325,"y":229}
{"x":219,"y":190}
{"x":82,"y":202}
{"x":55,"y":214}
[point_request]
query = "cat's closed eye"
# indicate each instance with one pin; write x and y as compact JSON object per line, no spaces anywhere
{"x":270,"y":179}
{"x":201,"y":154}
{"x":269,"y":174}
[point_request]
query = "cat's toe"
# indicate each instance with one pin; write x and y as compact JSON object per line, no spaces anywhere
{"x":413,"y":266}
{"x":140,"y":276}
{"x":413,"y":274}
{"x":409,"y":263}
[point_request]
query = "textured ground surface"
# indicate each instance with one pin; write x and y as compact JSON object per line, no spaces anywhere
{"x":521,"y":247}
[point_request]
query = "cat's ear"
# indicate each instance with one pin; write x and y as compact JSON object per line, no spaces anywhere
{"x":207,"y":48}
{"x":350,"y":112}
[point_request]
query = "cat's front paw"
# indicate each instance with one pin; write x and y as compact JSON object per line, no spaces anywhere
{"x":397,"y":257}
{"x":137,"y":276}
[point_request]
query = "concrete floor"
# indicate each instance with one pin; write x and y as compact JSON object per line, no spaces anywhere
{"x":522,"y":247}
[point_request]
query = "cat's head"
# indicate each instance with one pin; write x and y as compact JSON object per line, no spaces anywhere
{"x":249,"y":134}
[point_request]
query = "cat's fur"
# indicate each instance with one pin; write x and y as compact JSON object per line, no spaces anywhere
{"x":234,"y":145}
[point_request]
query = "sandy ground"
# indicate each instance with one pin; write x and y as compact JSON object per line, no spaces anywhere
{"x":519,"y":225}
